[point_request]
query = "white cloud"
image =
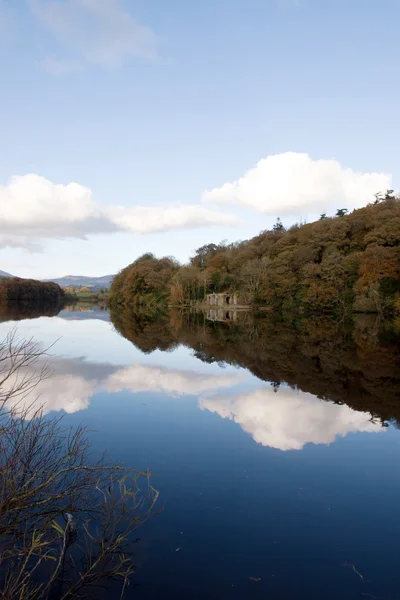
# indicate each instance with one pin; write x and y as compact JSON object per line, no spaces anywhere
{"x":32,"y":201}
{"x":97,"y":32}
{"x":289,"y":419}
{"x":293,"y":183}
{"x":148,"y":219}
{"x":33,"y":208}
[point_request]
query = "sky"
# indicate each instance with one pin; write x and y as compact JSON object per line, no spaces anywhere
{"x":132,"y":126}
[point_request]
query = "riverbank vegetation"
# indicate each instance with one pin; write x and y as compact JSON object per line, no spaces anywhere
{"x":347,"y":262}
{"x":67,"y":520}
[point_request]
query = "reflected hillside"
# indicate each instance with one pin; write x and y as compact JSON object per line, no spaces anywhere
{"x":68,"y":312}
{"x":16,"y":313}
{"x":148,"y":331}
{"x":357,"y":364}
{"x":355,"y":369}
{"x":285,"y":418}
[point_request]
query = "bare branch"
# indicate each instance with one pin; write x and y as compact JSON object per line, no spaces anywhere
{"x":66,"y":520}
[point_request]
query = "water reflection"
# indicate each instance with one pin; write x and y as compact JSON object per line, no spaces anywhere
{"x":69,"y":388}
{"x":142,"y":378}
{"x":285,"y":417}
{"x":289,"y":419}
{"x":357,"y":362}
{"x":75,"y":381}
{"x":81,"y":313}
{"x":271,"y":467}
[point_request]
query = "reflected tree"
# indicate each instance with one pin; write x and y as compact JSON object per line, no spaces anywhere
{"x":356,"y":362}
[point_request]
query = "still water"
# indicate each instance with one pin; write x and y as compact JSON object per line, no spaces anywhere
{"x":275,"y":450}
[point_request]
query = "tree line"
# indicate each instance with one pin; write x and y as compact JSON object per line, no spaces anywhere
{"x":29,"y":294}
{"x":347,"y":261}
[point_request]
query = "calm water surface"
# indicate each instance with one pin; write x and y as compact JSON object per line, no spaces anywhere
{"x":257,"y":478}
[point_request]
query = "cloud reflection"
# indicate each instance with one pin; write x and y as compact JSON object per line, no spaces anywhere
{"x":174,"y":382}
{"x":69,"y":387}
{"x":75,"y":381}
{"x":289,"y":419}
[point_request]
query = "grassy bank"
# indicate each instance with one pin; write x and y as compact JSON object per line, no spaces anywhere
{"x":91,"y":297}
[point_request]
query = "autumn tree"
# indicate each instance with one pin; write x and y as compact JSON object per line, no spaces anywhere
{"x":145,"y":281}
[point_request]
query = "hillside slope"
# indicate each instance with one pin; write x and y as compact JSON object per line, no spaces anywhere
{"x":83,"y":280}
{"x":350,"y":261}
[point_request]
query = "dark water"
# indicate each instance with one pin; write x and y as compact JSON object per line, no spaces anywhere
{"x":274,"y":447}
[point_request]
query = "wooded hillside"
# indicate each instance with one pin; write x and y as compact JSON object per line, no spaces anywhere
{"x":347,"y":261}
{"x":29,"y":293}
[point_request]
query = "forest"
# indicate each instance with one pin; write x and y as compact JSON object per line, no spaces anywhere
{"x":29,"y":294}
{"x":346,"y":262}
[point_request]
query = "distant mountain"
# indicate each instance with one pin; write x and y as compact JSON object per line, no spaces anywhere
{"x":82,"y":280}
{"x":4,"y":274}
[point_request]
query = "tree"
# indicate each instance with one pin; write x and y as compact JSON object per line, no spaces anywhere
{"x":145,"y":281}
{"x":203,"y":254}
{"x":278,"y":227}
{"x":341,"y":212}
{"x":144,"y":257}
{"x":66,"y":522}
{"x":252,"y":278}
{"x":323,"y":216}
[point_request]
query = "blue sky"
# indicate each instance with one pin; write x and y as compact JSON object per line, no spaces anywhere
{"x":186,"y":122}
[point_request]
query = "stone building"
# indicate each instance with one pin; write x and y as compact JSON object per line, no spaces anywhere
{"x":222,"y":300}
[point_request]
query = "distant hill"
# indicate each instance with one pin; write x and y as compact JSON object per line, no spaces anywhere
{"x":82,"y":280}
{"x":4,"y":274}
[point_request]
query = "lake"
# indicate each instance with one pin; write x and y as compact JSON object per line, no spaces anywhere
{"x":274,"y":446}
